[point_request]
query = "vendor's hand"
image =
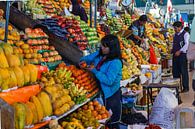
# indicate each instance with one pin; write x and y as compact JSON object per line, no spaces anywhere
{"x":177,"y":53}
{"x":82,"y":64}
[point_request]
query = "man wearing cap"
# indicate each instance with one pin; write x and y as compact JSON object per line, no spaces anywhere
{"x":138,"y":29}
{"x":180,"y":46}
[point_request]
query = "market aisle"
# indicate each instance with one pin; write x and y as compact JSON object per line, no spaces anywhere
{"x":187,"y":99}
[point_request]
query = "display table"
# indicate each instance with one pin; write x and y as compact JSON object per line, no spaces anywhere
{"x":151,"y":86}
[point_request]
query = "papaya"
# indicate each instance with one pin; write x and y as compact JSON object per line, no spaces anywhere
{"x":46,"y":103}
{"x":26,"y":72}
{"x":33,"y":72}
{"x":29,"y":115}
{"x":13,"y":60}
{"x":38,"y":106}
{"x":13,"y":79}
{"x":5,"y":75}
{"x":7,"y":48}
{"x":19,"y":115}
{"x":32,"y":107}
{"x":3,"y":60}
{"x":19,"y":75}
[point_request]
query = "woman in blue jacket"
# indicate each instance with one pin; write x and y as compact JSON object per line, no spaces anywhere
{"x":108,"y":70}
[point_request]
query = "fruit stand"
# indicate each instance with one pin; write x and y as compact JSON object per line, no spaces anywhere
{"x":38,"y":65}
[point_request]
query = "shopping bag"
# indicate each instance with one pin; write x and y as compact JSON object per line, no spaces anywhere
{"x":163,"y":109}
{"x":153,"y":59}
{"x":191,"y":51}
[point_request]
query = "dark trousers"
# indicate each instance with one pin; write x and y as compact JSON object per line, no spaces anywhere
{"x":114,"y":103}
{"x":180,"y":69}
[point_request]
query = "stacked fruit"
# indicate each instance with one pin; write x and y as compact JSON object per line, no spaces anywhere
{"x":13,"y":35}
{"x":60,"y":76}
{"x":115,"y":24}
{"x":98,"y":111}
{"x":37,"y":49}
{"x":86,"y":118}
{"x":126,"y":19}
{"x":12,"y":69}
{"x":77,"y":94}
{"x":83,"y":79}
{"x":130,"y":67}
{"x":60,"y":4}
{"x":73,"y":123}
{"x":32,"y":111}
{"x":63,"y":77}
{"x":91,"y":35}
{"x":60,"y":99}
{"x":75,"y":34}
{"x":47,"y":7}
{"x":33,"y":7}
{"x":100,"y":32}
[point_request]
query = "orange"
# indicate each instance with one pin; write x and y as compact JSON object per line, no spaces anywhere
{"x":95,"y":113}
{"x":95,"y":102}
{"x":91,"y":107}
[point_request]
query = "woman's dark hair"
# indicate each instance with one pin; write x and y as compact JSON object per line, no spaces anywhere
{"x":187,"y":29}
{"x":177,"y":24}
{"x":143,"y":18}
{"x":113,"y":43}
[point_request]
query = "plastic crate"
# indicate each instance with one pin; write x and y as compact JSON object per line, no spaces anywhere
{"x":142,"y":107}
{"x":128,"y":102}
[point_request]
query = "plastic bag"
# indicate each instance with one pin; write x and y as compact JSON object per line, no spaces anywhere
{"x":163,"y":109}
{"x":153,"y":59}
{"x":20,"y":95}
{"x":190,"y":52}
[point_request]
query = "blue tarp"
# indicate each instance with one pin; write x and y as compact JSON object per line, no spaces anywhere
{"x":184,"y":17}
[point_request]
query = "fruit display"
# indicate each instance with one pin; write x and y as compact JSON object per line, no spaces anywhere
{"x":60,"y":4}
{"x":130,"y":66}
{"x":13,"y":35}
{"x":86,"y":118}
{"x":53,"y":26}
{"x":31,"y":6}
{"x":60,"y":99}
{"x":126,"y":19}
{"x":98,"y":111}
{"x":33,"y":111}
{"x":12,"y":69}
{"x":74,"y":124}
{"x":75,"y":34}
{"x":115,"y":24}
{"x":62,"y":77}
{"x":90,"y":33}
{"x":92,"y":38}
{"x":47,"y":7}
{"x":83,"y":79}
{"x":36,"y":50}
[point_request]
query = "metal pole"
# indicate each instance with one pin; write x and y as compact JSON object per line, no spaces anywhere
{"x":95,"y":14}
{"x":7,"y":20}
{"x":90,"y":13}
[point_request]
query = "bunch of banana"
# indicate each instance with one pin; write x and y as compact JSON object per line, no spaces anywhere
{"x":77,"y":94}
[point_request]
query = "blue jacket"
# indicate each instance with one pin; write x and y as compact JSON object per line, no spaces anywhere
{"x":109,"y":75}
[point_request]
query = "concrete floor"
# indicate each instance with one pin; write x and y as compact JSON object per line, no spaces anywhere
{"x":187,"y":99}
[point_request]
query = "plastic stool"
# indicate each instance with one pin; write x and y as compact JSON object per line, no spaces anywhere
{"x":184,"y":109}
